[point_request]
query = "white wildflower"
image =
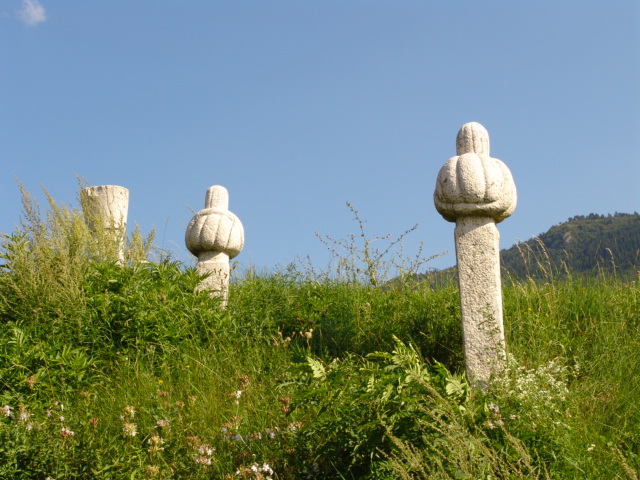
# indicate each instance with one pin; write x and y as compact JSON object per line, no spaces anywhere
{"x":129,"y":429}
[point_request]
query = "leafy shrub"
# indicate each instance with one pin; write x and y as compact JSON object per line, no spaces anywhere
{"x":353,"y":409}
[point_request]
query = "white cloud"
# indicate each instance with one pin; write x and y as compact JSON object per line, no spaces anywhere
{"x":32,"y":13}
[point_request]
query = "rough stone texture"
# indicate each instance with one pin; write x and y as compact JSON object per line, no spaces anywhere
{"x":477,"y":191}
{"x":111,"y":204}
{"x":215,"y":235}
{"x":473,"y":183}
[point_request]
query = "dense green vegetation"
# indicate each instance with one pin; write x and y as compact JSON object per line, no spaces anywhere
{"x":583,"y":244}
{"x":122,"y":371}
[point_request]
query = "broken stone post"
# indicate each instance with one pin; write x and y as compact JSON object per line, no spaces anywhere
{"x":476,"y":191}
{"x":215,"y":235}
{"x":109,"y":204}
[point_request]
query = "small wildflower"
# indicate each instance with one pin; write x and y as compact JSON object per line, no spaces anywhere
{"x":234,"y":423}
{"x":153,"y":471}
{"x":202,"y":460}
{"x":24,"y":414}
{"x":194,"y":441}
{"x":179,"y":404}
{"x":244,"y":381}
{"x":204,"y":453}
{"x":160,"y":382}
{"x":155,"y":443}
{"x":285,"y":403}
{"x":192,"y":398}
{"x":162,"y":423}
{"x":65,"y":433}
{"x":267,"y":469}
{"x":294,"y":426}
{"x":129,"y":429}
{"x":163,"y":394}
{"x":94,"y":422}
{"x":129,"y":411}
{"x":205,"y":450}
{"x":7,"y":411}
{"x":61,"y":418}
{"x":49,"y":413}
{"x":31,"y":381}
{"x":591,"y":447}
{"x":263,"y":471}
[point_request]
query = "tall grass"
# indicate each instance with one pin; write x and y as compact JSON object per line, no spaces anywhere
{"x":123,"y":371}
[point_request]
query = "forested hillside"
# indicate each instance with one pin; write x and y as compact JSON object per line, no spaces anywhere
{"x":583,"y":244}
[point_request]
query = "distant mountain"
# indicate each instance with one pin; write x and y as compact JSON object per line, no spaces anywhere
{"x":582,"y":244}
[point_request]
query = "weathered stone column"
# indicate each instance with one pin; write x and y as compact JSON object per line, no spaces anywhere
{"x":109,"y":204}
{"x":215,"y":235}
{"x":476,"y":191}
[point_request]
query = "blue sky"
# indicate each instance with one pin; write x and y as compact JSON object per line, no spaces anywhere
{"x":297,"y":107}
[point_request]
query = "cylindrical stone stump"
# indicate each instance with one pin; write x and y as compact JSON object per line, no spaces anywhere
{"x":108,"y":204}
{"x":477,"y":191}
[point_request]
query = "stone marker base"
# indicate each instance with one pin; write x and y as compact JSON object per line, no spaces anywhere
{"x":478,"y":252}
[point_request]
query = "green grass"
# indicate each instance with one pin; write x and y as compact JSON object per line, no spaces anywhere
{"x":122,"y":371}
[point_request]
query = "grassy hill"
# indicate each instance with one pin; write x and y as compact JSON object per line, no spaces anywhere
{"x":122,"y":371}
{"x":583,"y":244}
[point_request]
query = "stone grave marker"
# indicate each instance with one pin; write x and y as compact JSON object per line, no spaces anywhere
{"x":477,"y":191}
{"x":215,"y":235}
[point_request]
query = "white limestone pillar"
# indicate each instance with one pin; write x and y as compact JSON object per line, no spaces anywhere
{"x":215,"y":235}
{"x":476,"y":191}
{"x":110,"y":204}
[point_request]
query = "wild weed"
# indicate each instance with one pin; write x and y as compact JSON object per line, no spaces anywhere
{"x":357,"y":259}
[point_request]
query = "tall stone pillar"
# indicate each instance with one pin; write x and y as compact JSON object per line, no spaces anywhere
{"x":108,"y":204}
{"x":215,"y":235}
{"x":476,"y":192}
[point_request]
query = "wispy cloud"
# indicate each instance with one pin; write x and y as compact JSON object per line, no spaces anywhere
{"x":32,"y":13}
